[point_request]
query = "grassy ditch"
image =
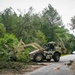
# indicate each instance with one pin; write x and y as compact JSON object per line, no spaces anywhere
{"x":14,"y":67}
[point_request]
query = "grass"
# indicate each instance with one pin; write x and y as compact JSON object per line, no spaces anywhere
{"x":64,"y":54}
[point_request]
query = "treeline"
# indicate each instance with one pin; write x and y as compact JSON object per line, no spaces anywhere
{"x":31,"y":27}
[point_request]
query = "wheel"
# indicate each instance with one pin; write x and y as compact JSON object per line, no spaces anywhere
{"x":56,"y":57}
{"x":38,"y":57}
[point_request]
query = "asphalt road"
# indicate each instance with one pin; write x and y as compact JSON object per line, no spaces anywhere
{"x":55,"y":68}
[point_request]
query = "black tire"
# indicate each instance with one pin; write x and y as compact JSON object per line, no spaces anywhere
{"x":56,"y":57}
{"x":38,"y":57}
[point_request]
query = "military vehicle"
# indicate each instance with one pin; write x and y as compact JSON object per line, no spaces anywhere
{"x":49,"y":51}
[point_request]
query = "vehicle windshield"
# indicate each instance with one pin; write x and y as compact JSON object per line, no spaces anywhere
{"x":45,"y":45}
{"x":49,"y":46}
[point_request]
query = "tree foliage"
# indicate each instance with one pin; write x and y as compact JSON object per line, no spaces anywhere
{"x":2,"y":30}
{"x":73,"y":22}
{"x":51,"y":19}
{"x":7,"y":45}
{"x":32,"y":27}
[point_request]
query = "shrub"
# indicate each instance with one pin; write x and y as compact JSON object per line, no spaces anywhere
{"x":23,"y":56}
{"x":7,"y":45}
{"x":12,"y":65}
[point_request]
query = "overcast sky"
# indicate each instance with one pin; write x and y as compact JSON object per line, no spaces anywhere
{"x":65,"y":8}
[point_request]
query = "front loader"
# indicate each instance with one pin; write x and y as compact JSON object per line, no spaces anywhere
{"x":49,"y":51}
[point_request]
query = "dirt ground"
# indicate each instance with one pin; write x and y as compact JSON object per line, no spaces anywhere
{"x":29,"y":68}
{"x":73,"y":66}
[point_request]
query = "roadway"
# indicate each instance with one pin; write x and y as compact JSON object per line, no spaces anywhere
{"x":55,"y":68}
